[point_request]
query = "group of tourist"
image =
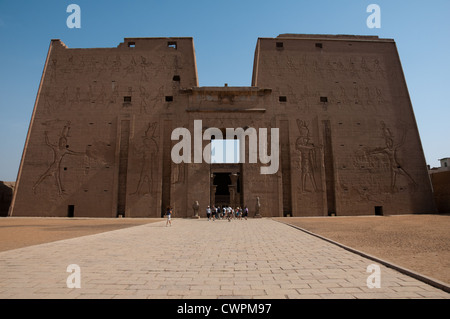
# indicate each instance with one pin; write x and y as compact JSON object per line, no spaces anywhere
{"x":226,"y":212}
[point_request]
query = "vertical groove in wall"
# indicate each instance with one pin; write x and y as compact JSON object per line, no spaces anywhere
{"x":285,"y":167}
{"x":329,"y":168}
{"x":123,"y":166}
{"x":167,"y":166}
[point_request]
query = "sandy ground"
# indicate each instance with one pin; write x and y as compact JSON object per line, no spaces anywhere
{"x":420,"y":243}
{"x":17,"y":232}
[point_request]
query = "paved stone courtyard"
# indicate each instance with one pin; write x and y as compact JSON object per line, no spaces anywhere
{"x":255,"y":258}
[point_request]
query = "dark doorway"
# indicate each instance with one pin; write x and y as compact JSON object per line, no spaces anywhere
{"x":379,"y":210}
{"x":222,"y":195}
{"x":71,"y":211}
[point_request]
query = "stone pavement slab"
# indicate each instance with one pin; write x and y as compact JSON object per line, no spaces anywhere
{"x":254,"y":258}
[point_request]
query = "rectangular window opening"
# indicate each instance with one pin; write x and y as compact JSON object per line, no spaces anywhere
{"x":319,"y":45}
{"x":176,"y":78}
{"x":131,"y":44}
{"x":172,"y":45}
{"x":323,"y":99}
{"x":127,"y":99}
{"x":282,"y":99}
{"x":169,"y":98}
{"x":279,"y":45}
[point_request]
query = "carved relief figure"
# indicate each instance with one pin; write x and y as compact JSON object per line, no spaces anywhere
{"x":149,"y":153}
{"x":130,"y":69}
{"x":59,"y":151}
{"x":158,"y":97}
{"x":390,"y":150}
{"x":307,"y":157}
{"x":144,"y":97}
{"x":144,"y":66}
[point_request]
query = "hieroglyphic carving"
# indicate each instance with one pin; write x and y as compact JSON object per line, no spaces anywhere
{"x":131,"y":67}
{"x":69,"y":66}
{"x":47,"y":99}
{"x":317,"y":69}
{"x":116,"y":65}
{"x":368,"y":96}
{"x":101,"y":96}
{"x":114,"y":94}
{"x":329,"y":67}
{"x":52,"y":71}
{"x":60,"y":150}
{"x":100,"y":66}
{"x":378,"y":69}
{"x":75,"y":100}
{"x":366,"y":68}
{"x":353,"y":71}
{"x":90,"y":95}
{"x":148,"y":158}
{"x":380,"y":96}
{"x":343,"y":96}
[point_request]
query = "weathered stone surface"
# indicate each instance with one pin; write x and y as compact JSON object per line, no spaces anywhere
{"x":100,"y":143}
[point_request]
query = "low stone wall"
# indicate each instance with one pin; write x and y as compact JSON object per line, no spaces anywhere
{"x":441,"y":188}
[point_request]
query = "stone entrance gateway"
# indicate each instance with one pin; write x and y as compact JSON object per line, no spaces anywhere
{"x":100,"y":138}
{"x":226,"y":186}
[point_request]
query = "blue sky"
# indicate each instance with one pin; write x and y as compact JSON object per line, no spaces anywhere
{"x":225,"y":34}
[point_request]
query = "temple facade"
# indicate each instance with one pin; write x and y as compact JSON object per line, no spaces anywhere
{"x":331,"y":112}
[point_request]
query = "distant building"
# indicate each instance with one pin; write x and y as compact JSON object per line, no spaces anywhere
{"x":440,"y":179}
{"x":445,"y":166}
{"x":101,"y":136}
{"x":6,"y":195}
